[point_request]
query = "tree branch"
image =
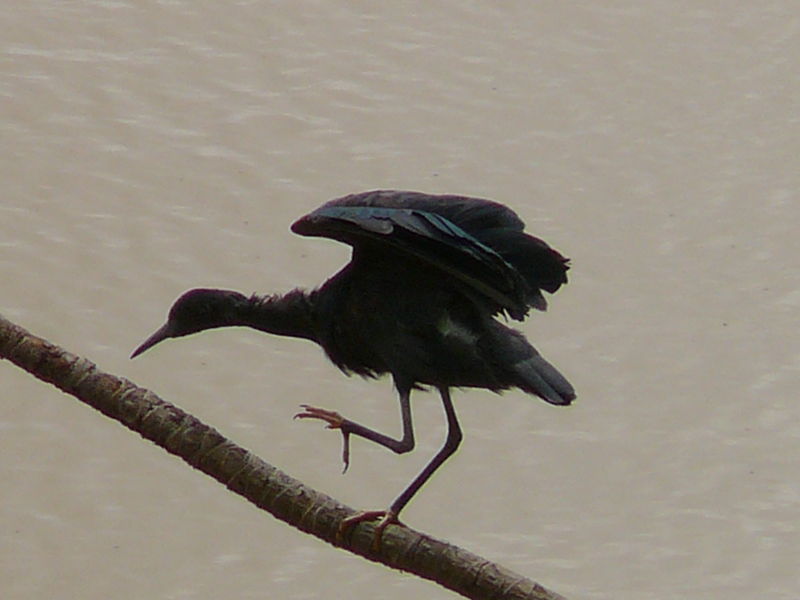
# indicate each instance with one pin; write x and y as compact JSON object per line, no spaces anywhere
{"x":263,"y":484}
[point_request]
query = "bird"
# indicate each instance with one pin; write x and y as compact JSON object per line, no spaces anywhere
{"x":425,"y":298}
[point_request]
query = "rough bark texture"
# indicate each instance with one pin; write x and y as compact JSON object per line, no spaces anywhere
{"x":263,"y":484}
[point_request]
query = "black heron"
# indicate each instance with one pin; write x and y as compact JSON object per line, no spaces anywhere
{"x":418,"y":300}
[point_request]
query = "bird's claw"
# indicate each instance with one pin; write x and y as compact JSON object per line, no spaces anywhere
{"x":387,"y":517}
{"x":333,"y":420}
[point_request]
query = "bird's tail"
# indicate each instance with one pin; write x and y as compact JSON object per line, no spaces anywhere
{"x":537,"y":376}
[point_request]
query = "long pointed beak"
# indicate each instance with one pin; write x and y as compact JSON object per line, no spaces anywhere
{"x":163,"y":333}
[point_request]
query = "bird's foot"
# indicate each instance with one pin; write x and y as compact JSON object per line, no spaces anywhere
{"x":387,"y":517}
{"x":331,"y":417}
{"x":334,"y":421}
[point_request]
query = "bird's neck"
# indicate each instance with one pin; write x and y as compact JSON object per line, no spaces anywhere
{"x":289,"y":314}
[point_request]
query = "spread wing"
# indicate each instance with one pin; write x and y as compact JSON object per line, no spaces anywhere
{"x":478,"y":242}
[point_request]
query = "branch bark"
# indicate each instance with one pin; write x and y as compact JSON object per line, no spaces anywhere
{"x":264,"y":485}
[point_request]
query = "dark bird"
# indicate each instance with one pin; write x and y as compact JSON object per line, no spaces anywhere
{"x":418,"y":300}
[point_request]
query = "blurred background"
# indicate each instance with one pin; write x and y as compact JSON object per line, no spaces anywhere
{"x":148,"y":148}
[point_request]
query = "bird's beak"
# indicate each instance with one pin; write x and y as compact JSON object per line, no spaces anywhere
{"x":163,"y":333}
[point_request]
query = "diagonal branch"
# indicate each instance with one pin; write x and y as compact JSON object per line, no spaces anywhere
{"x":263,"y":484}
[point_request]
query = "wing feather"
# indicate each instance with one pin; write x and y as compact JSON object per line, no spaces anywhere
{"x":478,"y":242}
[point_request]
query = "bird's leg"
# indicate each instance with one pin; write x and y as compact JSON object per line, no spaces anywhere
{"x":334,"y":421}
{"x":348,"y":427}
{"x":390,"y":516}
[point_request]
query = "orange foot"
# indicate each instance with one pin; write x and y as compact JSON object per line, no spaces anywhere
{"x":331,"y":417}
{"x":334,"y":421}
{"x":387,"y":517}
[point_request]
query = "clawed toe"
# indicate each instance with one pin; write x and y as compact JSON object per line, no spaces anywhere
{"x":387,"y":517}
{"x":333,"y":419}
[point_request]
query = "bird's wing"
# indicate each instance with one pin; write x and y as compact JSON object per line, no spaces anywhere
{"x":478,"y":241}
{"x":432,"y":238}
{"x":490,"y":223}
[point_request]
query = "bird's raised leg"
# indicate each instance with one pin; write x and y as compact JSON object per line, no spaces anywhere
{"x":348,"y":427}
{"x":390,"y":516}
{"x":451,"y":443}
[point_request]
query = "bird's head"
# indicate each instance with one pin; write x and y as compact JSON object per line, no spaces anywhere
{"x":197,"y":310}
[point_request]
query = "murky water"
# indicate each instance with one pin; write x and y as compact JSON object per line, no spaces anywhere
{"x":149,"y":149}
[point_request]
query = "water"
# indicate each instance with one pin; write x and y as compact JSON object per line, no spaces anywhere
{"x":150,"y":149}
